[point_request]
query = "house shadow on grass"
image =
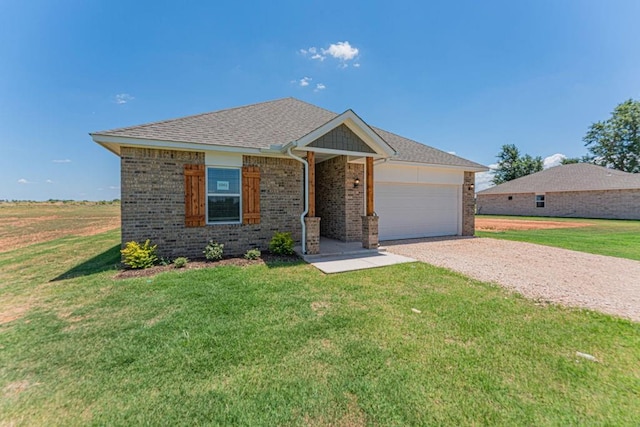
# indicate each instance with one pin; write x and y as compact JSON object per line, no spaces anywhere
{"x":107,"y":260}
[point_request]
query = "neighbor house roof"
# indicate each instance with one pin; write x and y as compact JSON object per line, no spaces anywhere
{"x":272,"y":123}
{"x":571,"y":177}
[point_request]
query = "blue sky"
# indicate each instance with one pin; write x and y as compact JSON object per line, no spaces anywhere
{"x":462,"y":76}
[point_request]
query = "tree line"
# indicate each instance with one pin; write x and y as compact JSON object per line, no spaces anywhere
{"x":613,"y":143}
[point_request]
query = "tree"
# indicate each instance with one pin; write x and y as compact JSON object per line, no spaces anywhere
{"x":615,"y":142}
{"x":570,"y":160}
{"x":511,"y":165}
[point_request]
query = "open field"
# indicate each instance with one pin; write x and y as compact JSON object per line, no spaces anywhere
{"x":617,"y":238}
{"x":283,"y":344}
{"x":25,"y":223}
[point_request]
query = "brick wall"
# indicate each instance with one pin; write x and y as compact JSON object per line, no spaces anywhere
{"x":338,"y":203}
{"x":611,"y":204}
{"x":152,"y":184}
{"x":468,"y":204}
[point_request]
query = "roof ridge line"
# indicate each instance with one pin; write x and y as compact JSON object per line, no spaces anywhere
{"x":191,"y":116}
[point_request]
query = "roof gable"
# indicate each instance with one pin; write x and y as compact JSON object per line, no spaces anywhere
{"x":365,"y":137}
{"x":571,"y":177}
{"x":341,"y":138}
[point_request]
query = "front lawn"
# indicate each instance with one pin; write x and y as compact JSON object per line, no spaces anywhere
{"x":283,"y":344}
{"x":619,"y":238}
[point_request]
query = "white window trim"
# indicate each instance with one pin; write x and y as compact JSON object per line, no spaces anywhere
{"x":543,"y":201}
{"x":239,"y":195}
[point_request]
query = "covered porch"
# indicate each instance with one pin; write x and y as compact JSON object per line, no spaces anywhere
{"x":339,"y":185}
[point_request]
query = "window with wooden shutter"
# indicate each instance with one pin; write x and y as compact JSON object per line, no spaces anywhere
{"x":194,"y":196}
{"x":250,"y":195}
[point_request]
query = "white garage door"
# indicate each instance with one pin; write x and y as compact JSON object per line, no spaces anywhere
{"x":416,"y":210}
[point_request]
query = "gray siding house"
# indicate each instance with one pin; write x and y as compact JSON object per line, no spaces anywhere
{"x":237,"y":176}
{"x":580,"y":190}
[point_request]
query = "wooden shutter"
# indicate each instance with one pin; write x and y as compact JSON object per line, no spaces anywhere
{"x":194,"y":196}
{"x":250,"y":195}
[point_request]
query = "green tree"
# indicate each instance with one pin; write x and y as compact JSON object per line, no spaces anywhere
{"x":615,"y":142}
{"x":570,"y":160}
{"x":511,"y":165}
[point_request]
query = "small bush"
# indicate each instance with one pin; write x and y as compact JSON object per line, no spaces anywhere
{"x":281,"y":244}
{"x":253,"y":254}
{"x":213,"y":251}
{"x":180,"y":262}
{"x":139,"y":256}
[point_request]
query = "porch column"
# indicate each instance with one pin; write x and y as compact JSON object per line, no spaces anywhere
{"x":370,"y":220}
{"x":369,"y":180}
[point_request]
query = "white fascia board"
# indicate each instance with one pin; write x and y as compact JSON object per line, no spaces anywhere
{"x":357,"y":125}
{"x":113,"y":144}
{"x":341,"y":152}
{"x":435,"y":165}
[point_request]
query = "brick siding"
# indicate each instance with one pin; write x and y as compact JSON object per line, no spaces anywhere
{"x":153,"y":203}
{"x":338,"y":202}
{"x":609,"y":204}
{"x":468,"y":204}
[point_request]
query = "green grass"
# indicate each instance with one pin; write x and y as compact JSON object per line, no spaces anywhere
{"x":616,"y":238}
{"x":284,"y":344}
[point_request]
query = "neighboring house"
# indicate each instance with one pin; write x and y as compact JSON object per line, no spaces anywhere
{"x":580,"y":190}
{"x":237,"y":176}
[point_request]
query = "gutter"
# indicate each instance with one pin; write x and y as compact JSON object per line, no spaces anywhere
{"x":306,"y":194}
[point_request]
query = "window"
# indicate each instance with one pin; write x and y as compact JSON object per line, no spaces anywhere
{"x":510,"y":198}
{"x":223,"y":195}
{"x":539,"y":200}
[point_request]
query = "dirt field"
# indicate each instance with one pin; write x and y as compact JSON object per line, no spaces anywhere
{"x":25,"y":223}
{"x":503,"y":224}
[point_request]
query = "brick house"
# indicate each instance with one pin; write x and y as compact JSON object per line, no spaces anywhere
{"x":237,"y":176}
{"x":579,"y":190}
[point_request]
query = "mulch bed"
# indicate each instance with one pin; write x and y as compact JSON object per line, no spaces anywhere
{"x":200,"y":263}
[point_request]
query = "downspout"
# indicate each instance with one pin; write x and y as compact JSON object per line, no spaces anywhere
{"x":306,"y":195}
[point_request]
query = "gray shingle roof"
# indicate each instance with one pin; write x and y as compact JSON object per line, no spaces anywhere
{"x":271,"y":123}
{"x":572,"y":177}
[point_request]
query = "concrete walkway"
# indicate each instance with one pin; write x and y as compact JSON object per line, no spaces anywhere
{"x":337,"y":257}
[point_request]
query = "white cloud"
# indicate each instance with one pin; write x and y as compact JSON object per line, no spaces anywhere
{"x":319,"y":87}
{"x":123,"y":98}
{"x":452,"y":152}
{"x":49,"y":181}
{"x":483,"y":179}
{"x":305,"y":81}
{"x":114,"y":187}
{"x":553,"y":160}
{"x":61,"y":161}
{"x":24,"y":181}
{"x":341,"y":50}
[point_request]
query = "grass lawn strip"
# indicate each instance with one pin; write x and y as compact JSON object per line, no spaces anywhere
{"x":618,"y":238}
{"x":283,"y":344}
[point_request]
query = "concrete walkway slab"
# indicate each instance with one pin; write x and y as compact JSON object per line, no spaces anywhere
{"x":342,"y":263}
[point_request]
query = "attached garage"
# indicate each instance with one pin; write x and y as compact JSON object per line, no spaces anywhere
{"x":417,"y":210}
{"x":414,"y":201}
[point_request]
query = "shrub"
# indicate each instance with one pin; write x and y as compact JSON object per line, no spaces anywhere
{"x":281,"y":244}
{"x":139,"y":256}
{"x":253,"y":254}
{"x":213,"y":251}
{"x":180,"y":262}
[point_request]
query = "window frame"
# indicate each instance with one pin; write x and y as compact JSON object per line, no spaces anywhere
{"x":540,"y":200}
{"x":238,"y":195}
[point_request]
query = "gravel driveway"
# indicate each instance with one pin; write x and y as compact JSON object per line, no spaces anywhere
{"x":607,"y":284}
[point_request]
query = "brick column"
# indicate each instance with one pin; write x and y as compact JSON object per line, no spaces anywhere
{"x":370,"y":232}
{"x":468,"y":204}
{"x":312,"y":225}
